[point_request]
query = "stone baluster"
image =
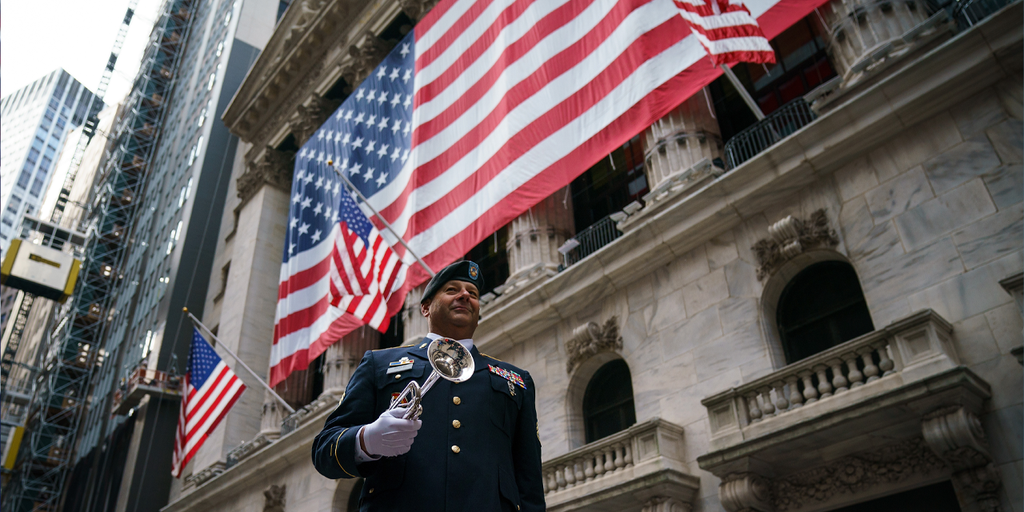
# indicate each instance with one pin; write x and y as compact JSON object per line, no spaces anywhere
{"x":796,"y":398}
{"x":588,"y":467}
{"x":781,"y":404}
{"x":609,"y":460}
{"x":870,"y":370}
{"x":619,"y":462}
{"x":547,"y":485}
{"x":560,"y":477}
{"x":766,"y":405}
{"x":628,"y":455}
{"x":885,"y":363}
{"x":570,"y":475}
{"x":854,"y":375}
{"x":838,"y":379}
{"x":752,"y":408}
{"x":824,"y":385}
{"x":810,"y":392}
{"x":598,"y":464}
{"x":578,"y":468}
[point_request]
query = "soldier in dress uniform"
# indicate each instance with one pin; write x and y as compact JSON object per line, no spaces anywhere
{"x":475,"y":447}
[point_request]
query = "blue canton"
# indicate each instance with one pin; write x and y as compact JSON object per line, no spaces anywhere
{"x":202,"y":360}
{"x":368,"y":138}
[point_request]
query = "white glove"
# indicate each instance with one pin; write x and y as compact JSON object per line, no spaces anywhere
{"x":389,"y":435}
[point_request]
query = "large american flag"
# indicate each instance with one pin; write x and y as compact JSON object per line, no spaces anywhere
{"x":209,"y":389}
{"x":727,"y":30}
{"x":483,"y":110}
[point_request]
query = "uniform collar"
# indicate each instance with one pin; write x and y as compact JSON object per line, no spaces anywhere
{"x":468,"y":342}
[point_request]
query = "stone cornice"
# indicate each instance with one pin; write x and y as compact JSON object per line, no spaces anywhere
{"x":304,"y":56}
{"x":963,"y":66}
{"x":256,"y":471}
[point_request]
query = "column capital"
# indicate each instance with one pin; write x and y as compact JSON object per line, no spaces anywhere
{"x":311,"y":116}
{"x":273,"y":167}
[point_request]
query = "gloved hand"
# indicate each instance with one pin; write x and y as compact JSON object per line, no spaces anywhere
{"x":389,"y":435}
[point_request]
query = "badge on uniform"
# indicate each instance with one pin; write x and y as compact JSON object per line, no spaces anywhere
{"x":509,"y":375}
{"x":394,"y":396}
{"x":401,"y":365}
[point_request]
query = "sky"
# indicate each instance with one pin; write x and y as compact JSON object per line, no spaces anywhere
{"x":38,"y":36}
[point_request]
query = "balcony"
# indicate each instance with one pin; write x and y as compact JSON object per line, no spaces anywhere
{"x":622,"y":472}
{"x":865,"y":399}
{"x":588,"y":241}
{"x":144,"y":382}
{"x":776,"y":126}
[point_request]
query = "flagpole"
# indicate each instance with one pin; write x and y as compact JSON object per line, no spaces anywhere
{"x":199,"y":323}
{"x":386,"y":224}
{"x":743,"y":92}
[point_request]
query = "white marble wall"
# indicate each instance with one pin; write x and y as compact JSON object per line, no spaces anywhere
{"x":932,"y":219}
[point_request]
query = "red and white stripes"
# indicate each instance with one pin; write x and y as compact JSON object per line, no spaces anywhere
{"x":728,"y":31}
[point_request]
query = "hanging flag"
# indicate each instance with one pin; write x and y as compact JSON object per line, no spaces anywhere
{"x":483,"y":110}
{"x":209,"y":389}
{"x":727,"y":30}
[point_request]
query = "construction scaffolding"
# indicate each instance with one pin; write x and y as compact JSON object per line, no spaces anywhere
{"x":75,"y":351}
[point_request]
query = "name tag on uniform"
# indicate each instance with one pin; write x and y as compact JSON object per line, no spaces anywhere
{"x":402,"y":368}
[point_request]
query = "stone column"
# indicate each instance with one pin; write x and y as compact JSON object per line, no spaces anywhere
{"x":414,"y":323}
{"x":533,"y":241}
{"x":341,"y":359}
{"x":745,"y":492}
{"x":682,"y":139}
{"x":273,"y":415}
{"x":860,"y":28}
{"x":956,"y":436}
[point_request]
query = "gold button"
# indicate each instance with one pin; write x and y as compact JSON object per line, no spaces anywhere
{"x":399,"y":376}
{"x":456,"y":400}
{"x":370,"y":491}
{"x":456,"y":449}
{"x":456,"y":423}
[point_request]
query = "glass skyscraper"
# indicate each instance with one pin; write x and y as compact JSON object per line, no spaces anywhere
{"x":35,"y":120}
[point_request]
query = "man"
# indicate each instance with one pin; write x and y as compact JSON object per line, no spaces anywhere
{"x":475,"y":447}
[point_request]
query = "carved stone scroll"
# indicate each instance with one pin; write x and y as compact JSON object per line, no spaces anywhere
{"x":274,"y":168}
{"x":311,"y":117}
{"x":589,"y":339}
{"x":274,"y":498}
{"x":665,"y":504}
{"x":957,"y":437}
{"x":745,"y":492}
{"x":365,"y":59}
{"x":790,"y":237}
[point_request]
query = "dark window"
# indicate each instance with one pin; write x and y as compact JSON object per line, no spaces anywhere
{"x":492,"y":257}
{"x":608,"y":401}
{"x":24,"y":178}
{"x":612,"y":183}
{"x":820,"y":308}
{"x":33,"y":155}
{"x":802,"y":64}
{"x":938,"y":497}
{"x":37,"y":187}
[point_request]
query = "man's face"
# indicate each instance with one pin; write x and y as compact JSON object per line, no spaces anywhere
{"x":454,"y":311}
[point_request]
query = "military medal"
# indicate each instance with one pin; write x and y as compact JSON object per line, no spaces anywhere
{"x":509,"y":375}
{"x":401,"y":365}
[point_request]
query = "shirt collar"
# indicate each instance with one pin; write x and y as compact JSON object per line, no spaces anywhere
{"x":468,"y":342}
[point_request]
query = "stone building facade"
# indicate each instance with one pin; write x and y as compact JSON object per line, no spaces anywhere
{"x":909,"y":179}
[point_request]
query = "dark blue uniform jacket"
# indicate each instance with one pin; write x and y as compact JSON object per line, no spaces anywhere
{"x":478,"y":448}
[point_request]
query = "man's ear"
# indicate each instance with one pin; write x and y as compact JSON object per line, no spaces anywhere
{"x":425,"y":309}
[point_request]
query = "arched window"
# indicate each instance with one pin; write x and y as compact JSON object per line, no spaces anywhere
{"x":608,"y":401}
{"x":819,"y":308}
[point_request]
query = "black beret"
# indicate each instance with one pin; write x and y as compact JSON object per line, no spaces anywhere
{"x":464,"y":270}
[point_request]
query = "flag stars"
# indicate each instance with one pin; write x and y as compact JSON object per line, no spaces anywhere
{"x":337,"y":136}
{"x":371,"y":121}
{"x":305,"y":203}
{"x":291,"y":249}
{"x":348,"y":115}
{"x":358,"y":143}
{"x":328,"y":212}
{"x":381,"y":72}
{"x":337,"y":187}
{"x":382,"y":98}
{"x":354,"y":171}
{"x":319,"y":208}
{"x":359,"y":118}
{"x":319,"y":183}
{"x":309,"y":177}
{"x":340,"y":114}
{"x":383,"y":123}
{"x":369,"y":174}
{"x":407,"y":128}
{"x":383,"y":151}
{"x":316,"y":236}
{"x":372,"y":96}
{"x":396,"y":154}
{"x":371,"y":146}
{"x":408,"y":101}
{"x":319,"y":159}
{"x":394,"y":73}
{"x":397,"y":126}
{"x":304,"y":228}
{"x":382,"y":179}
{"x":345,"y":140}
{"x":405,"y":50}
{"x":396,"y":99}
{"x":320,"y":135}
{"x":407,"y":76}
{"x":294,"y":222}
{"x":361,"y":94}
{"x":298,"y":196}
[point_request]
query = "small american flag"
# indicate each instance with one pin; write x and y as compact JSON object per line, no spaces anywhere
{"x":209,"y":390}
{"x":727,"y":30}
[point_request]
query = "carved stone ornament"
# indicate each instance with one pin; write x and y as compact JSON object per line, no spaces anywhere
{"x":589,"y":339}
{"x":957,"y":437}
{"x":856,"y":473}
{"x":745,"y":492}
{"x":417,"y":8}
{"x":364,"y":59}
{"x":665,"y":504}
{"x":274,"y":168}
{"x":311,"y":117}
{"x":274,"y":498}
{"x":790,"y":237}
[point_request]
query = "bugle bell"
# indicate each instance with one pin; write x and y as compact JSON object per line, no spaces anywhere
{"x":450,"y":360}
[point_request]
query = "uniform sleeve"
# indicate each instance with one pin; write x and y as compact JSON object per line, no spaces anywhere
{"x":526,"y":453}
{"x":334,"y":448}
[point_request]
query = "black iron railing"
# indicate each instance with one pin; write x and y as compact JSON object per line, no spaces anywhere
{"x":774,"y":127}
{"x":590,"y":239}
{"x":969,"y":12}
